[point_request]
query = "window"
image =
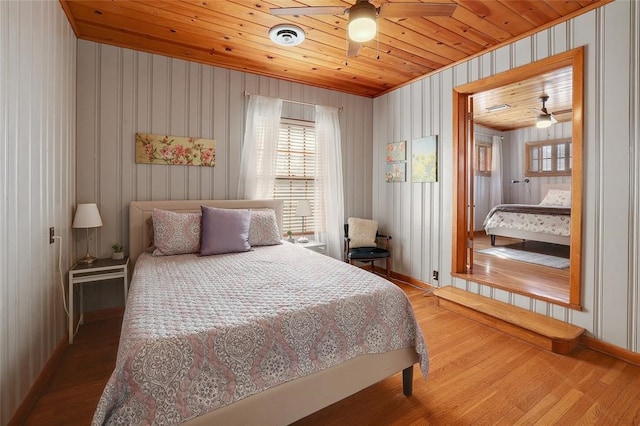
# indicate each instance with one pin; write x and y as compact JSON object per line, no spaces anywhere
{"x":548,"y":158}
{"x":483,"y":159}
{"x":295,"y":171}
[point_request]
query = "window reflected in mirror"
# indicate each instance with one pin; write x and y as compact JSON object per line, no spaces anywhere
{"x":548,"y":158}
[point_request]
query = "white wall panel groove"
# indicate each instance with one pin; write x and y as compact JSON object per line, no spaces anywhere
{"x":634,"y":150}
{"x":121,"y":92}
{"x":37,"y":182}
{"x":611,"y":214}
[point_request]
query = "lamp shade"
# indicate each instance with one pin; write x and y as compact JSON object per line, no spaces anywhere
{"x":87,"y":216}
{"x":303,"y":208}
{"x":543,"y":121}
{"x":362,"y":22}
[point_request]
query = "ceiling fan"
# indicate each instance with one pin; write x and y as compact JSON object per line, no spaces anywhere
{"x":546,"y":118}
{"x":362,"y":25}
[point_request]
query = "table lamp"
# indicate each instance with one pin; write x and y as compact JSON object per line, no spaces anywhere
{"x":303,"y":210}
{"x":87,"y":216}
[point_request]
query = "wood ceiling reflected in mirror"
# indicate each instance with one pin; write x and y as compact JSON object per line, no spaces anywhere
{"x":523,"y":100}
{"x":561,"y":78}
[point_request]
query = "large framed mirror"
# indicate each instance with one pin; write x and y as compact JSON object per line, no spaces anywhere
{"x":547,"y":90}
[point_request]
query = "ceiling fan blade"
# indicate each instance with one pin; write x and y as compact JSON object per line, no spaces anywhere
{"x":309,"y":10}
{"x":553,"y":119}
{"x":353,"y":49}
{"x":562,"y":111}
{"x":406,"y":10}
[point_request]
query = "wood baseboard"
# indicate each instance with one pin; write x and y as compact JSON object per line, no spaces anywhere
{"x":21,"y":414}
{"x":611,"y":350}
{"x":411,"y":280}
{"x":549,"y":333}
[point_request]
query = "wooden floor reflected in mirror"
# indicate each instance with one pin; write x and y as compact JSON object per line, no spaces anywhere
{"x":540,"y":282}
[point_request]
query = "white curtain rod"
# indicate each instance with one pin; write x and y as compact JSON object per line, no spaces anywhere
{"x":292,"y":101}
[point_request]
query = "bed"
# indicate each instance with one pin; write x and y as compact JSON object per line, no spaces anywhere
{"x":549,"y":221}
{"x":265,"y":336}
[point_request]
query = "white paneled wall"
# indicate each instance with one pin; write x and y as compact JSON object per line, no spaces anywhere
{"x":37,"y":180}
{"x":419,"y":215}
{"x":121,"y":92}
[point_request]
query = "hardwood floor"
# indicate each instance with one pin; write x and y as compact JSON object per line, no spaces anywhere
{"x":477,"y":376}
{"x":75,"y":388}
{"x":540,"y":282}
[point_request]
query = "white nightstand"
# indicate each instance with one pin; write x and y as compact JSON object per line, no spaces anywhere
{"x":100,"y":270}
{"x":316,"y":246}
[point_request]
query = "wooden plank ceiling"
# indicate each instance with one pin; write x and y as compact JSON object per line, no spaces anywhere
{"x":235,"y":35}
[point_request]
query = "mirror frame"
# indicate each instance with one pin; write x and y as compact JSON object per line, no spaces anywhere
{"x":462,"y":158}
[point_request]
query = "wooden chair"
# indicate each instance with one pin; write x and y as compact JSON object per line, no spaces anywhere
{"x":369,"y":254}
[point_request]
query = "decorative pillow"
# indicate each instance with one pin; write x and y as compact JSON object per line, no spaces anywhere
{"x":148,"y":235}
{"x":557,"y":197}
{"x":175,"y":233}
{"x":263,"y":229}
{"x":224,"y":230}
{"x":362,"y":232}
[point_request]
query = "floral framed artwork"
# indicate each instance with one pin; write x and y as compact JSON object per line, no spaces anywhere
{"x":163,"y":149}
{"x":396,"y":172}
{"x":396,"y":151}
{"x":424,"y":156}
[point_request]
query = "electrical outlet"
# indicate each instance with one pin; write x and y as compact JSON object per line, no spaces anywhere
{"x":434,"y":276}
{"x":51,"y":232}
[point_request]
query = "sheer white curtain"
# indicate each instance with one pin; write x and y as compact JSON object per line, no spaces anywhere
{"x":328,"y":197}
{"x":495,"y":192}
{"x":260,"y":148}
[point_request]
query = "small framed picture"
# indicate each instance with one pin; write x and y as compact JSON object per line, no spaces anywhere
{"x":396,"y":151}
{"x":396,"y":172}
{"x":424,"y":159}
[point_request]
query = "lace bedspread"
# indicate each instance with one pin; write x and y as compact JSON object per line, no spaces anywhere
{"x":200,"y":333}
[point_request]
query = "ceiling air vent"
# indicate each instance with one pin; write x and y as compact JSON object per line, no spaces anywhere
{"x":499,"y":107}
{"x":286,"y":35}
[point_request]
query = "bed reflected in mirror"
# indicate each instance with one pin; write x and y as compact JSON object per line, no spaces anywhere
{"x":531,"y":244}
{"x":531,"y":240}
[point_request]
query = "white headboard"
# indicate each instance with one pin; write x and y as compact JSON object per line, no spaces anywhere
{"x":140,"y":227}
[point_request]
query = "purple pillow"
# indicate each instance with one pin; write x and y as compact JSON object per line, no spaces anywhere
{"x":224,"y":230}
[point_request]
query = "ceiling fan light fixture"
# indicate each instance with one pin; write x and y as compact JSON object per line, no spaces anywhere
{"x":362,"y":22}
{"x":543,"y":121}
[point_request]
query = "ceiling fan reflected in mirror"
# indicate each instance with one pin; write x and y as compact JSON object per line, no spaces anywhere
{"x":545,"y":119}
{"x":362,"y":25}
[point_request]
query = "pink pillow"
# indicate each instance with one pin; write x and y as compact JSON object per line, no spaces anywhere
{"x":263,"y":230}
{"x":175,"y":233}
{"x":224,"y":230}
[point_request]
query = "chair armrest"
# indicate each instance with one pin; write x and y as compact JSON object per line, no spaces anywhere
{"x":346,"y":248}
{"x":385,"y":240}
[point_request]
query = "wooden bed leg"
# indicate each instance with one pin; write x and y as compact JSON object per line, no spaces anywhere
{"x":407,"y":381}
{"x":493,"y":240}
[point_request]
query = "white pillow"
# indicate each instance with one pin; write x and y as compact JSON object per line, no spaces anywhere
{"x":362,"y":232}
{"x":557,"y":197}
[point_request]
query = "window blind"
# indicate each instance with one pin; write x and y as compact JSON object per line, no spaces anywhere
{"x":295,"y":171}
